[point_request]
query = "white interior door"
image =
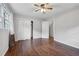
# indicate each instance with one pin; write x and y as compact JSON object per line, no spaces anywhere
{"x":24,"y":30}
{"x":27,"y":30}
{"x":37,"y":29}
{"x":45,"y":29}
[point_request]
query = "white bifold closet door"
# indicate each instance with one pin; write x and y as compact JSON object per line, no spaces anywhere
{"x":24,"y":30}
{"x":37,"y":29}
{"x":27,"y":30}
{"x":45,"y":29}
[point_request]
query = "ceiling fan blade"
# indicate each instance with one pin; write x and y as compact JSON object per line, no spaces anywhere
{"x":50,"y":8}
{"x":42,"y":5}
{"x":37,"y":10}
{"x":36,"y":5}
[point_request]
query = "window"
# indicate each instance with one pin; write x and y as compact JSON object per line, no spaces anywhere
{"x":4,"y":17}
{"x":1,"y":24}
{"x":6,"y":20}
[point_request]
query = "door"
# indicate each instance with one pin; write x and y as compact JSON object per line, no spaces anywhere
{"x":45,"y":29}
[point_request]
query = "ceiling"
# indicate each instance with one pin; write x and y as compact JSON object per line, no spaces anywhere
{"x":28,"y":9}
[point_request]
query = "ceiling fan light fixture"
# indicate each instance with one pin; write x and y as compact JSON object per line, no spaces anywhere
{"x":43,"y":10}
{"x":43,"y":7}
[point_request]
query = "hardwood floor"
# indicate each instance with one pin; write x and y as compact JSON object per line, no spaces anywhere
{"x":41,"y":47}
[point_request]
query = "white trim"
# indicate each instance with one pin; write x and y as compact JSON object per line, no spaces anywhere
{"x":2,"y":54}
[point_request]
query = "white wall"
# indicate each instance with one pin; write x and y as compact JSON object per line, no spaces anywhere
{"x":4,"y":32}
{"x":11,"y":26}
{"x":4,"y":41}
{"x":66,"y":28}
{"x":4,"y":36}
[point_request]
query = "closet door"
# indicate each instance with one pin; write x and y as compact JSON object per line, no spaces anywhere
{"x":37,"y":29}
{"x":45,"y":29}
{"x":23,"y":29}
{"x":27,"y":29}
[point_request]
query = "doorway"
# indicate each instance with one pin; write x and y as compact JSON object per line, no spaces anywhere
{"x":31,"y":30}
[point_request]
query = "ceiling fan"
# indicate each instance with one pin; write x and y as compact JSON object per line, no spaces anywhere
{"x":44,"y":7}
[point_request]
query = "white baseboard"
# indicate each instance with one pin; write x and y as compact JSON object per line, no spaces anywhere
{"x":2,"y":54}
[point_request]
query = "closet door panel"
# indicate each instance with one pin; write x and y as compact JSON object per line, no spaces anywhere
{"x":45,"y":29}
{"x":37,"y":29}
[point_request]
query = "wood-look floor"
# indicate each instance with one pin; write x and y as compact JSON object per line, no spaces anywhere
{"x":41,"y":47}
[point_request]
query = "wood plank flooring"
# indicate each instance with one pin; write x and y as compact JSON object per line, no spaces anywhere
{"x":41,"y":47}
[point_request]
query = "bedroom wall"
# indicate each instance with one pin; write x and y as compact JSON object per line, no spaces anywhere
{"x":66,"y":28}
{"x":4,"y":36}
{"x":11,"y":26}
{"x":4,"y":31}
{"x":4,"y":41}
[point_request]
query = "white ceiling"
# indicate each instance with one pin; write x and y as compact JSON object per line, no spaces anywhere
{"x":27,"y":9}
